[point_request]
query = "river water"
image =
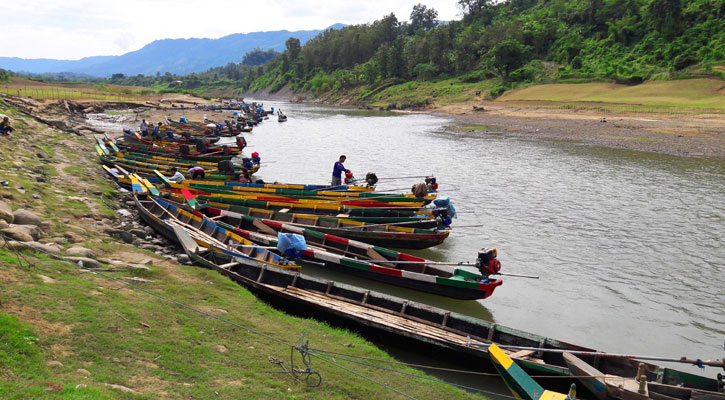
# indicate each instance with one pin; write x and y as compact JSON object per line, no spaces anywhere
{"x":628,"y":245}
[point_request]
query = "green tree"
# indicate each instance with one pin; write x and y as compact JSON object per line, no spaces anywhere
{"x":423,"y":18}
{"x":293,"y":48}
{"x":664,"y":16}
{"x":507,"y":56}
{"x":473,"y":6}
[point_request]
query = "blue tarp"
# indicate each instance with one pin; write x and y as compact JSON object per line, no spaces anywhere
{"x":291,"y":244}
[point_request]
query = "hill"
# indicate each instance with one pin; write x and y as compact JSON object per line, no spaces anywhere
{"x":177,"y":56}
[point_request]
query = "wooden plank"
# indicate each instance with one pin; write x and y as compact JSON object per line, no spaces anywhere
{"x":263,"y":227}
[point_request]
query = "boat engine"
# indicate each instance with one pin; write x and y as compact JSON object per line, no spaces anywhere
{"x":225,"y":167}
{"x":371,"y":179}
{"x":241,"y":142}
{"x":184,"y":149}
{"x":487,"y":262}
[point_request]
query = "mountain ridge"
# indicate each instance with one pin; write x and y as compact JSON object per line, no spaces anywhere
{"x":177,"y":56}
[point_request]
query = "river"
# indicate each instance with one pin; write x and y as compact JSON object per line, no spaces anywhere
{"x":628,"y":245}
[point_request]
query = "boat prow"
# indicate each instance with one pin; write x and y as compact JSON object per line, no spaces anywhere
{"x":605,"y":386}
{"x":519,"y":382}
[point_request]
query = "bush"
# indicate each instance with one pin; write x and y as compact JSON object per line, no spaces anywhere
{"x":425,"y":71}
{"x":497,"y":90}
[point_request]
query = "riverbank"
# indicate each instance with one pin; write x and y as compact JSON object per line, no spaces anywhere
{"x":686,"y":135}
{"x":102,"y":331}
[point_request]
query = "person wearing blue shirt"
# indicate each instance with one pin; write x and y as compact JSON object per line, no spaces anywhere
{"x":337,"y":171}
{"x":157,"y":131}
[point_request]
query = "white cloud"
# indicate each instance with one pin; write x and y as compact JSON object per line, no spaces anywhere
{"x":73,"y":29}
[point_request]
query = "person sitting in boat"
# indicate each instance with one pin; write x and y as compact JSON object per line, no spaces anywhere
{"x":337,"y":171}
{"x":170,"y":134}
{"x":144,"y":128}
{"x":196,"y":173}
{"x":5,"y":127}
{"x":256,"y":159}
{"x":244,"y":177}
{"x":177,"y":176}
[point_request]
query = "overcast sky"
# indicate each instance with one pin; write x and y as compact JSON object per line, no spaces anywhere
{"x":72,"y":29}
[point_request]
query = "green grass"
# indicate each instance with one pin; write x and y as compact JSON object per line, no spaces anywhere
{"x":654,"y":96}
{"x":420,"y":93}
{"x":93,"y":323}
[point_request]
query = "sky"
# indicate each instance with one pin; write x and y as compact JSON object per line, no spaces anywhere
{"x":72,"y":29}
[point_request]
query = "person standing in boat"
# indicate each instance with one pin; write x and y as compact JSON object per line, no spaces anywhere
{"x":337,"y":171}
{"x":177,"y":176}
{"x":157,"y":131}
{"x":144,"y":128}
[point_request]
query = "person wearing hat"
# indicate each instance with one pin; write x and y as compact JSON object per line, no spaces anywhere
{"x":337,"y":171}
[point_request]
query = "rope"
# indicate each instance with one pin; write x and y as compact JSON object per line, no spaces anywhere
{"x":365,"y":377}
{"x":421,"y":377}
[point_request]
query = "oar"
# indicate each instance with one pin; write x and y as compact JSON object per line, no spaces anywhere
{"x":371,"y":225}
{"x":684,"y":360}
{"x":405,"y":177}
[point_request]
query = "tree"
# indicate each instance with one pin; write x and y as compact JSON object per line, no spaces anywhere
{"x":507,"y":56}
{"x":664,"y":16}
{"x":423,"y":17}
{"x":258,"y":56}
{"x":473,"y":6}
{"x":293,"y":48}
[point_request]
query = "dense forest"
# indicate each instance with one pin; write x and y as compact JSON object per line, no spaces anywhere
{"x":514,"y":42}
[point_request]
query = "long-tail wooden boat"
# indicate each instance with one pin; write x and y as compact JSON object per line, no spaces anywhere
{"x":173,"y":153}
{"x":384,"y":235}
{"x":519,"y":382}
{"x":331,"y":195}
{"x":226,"y":245}
{"x":334,"y":221}
{"x":454,"y":283}
{"x":607,"y":386}
{"x":459,"y":337}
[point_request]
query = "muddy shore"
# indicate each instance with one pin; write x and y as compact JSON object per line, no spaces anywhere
{"x":683,"y":135}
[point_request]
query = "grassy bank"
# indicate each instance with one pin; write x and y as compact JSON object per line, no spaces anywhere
{"x":676,"y":96}
{"x":76,"y":91}
{"x":62,"y":325}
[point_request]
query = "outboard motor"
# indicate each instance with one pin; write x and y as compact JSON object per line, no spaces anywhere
{"x":371,"y":179}
{"x":225,"y":167}
{"x":241,"y":142}
{"x":487,"y":262}
{"x":184,"y":149}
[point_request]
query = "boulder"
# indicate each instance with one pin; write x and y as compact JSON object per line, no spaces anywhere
{"x":48,"y":248}
{"x":3,"y":224}
{"x":73,"y":237}
{"x":87,"y":262}
{"x":23,"y":233}
{"x":81,"y":251}
{"x":6,"y":213}
{"x":25,"y":217}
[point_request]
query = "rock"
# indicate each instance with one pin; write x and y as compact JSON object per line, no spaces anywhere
{"x":121,"y":388}
{"x":48,"y":248}
{"x":147,"y":261}
{"x":81,"y":251}
{"x":73,"y":237}
{"x":138,"y":267}
{"x":130,"y":203}
{"x":147,"y":246}
{"x":17,"y":234}
{"x":124,"y":213}
{"x":6,"y":213}
{"x":123,"y":235}
{"x":35,"y":196}
{"x":148,"y":229}
{"x":183,"y":259}
{"x":87,"y":262}
{"x":81,"y":386}
{"x":138,"y":232}
{"x":83,"y":371}
{"x":220,"y":348}
{"x":30,"y":230}
{"x":25,"y":217}
{"x":54,"y":363}
{"x":3,"y":224}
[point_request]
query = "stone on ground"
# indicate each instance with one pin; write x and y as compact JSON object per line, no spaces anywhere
{"x":6,"y":213}
{"x":25,"y":217}
{"x":81,"y":251}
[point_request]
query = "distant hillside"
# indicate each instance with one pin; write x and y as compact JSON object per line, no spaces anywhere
{"x":178,"y":56}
